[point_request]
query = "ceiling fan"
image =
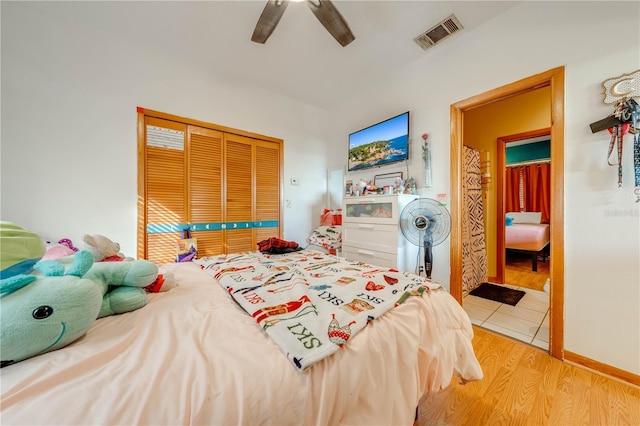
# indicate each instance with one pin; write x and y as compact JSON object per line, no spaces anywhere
{"x":324,"y":10}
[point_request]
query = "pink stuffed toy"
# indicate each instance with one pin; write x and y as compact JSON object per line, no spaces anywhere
{"x":56,"y":250}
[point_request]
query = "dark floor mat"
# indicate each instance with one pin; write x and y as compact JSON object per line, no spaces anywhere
{"x":498,"y":293}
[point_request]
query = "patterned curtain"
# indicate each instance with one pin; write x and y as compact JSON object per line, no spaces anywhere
{"x":474,"y":252}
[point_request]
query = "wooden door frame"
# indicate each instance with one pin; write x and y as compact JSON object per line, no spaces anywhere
{"x":501,"y":209}
{"x":553,"y":78}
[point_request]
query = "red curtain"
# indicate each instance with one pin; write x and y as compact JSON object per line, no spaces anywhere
{"x":512,"y":199}
{"x":536,"y":179}
{"x":545,"y":192}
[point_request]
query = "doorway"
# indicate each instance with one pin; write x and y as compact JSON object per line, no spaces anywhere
{"x":522,"y":250}
{"x":555,"y":80}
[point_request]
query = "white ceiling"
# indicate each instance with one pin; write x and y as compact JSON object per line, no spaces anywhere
{"x":301,"y":59}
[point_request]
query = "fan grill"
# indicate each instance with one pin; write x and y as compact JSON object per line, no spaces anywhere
{"x":425,"y":215}
{"x":425,"y":223}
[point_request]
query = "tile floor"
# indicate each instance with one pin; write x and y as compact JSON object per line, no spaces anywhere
{"x":528,"y":321}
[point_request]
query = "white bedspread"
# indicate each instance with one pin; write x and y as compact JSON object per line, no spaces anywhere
{"x":192,"y":356}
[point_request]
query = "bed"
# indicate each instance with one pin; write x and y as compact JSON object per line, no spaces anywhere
{"x":194,"y":356}
{"x":525,"y":233}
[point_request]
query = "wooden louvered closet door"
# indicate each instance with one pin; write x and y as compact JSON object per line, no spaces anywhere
{"x":225,"y":187}
{"x":239,"y":203}
{"x":254,"y":201}
{"x":205,"y":148}
{"x":267,"y":188}
{"x":165,"y":187}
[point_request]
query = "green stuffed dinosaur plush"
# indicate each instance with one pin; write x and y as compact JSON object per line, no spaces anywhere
{"x":55,"y":305}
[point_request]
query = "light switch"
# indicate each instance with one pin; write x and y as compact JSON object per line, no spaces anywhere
{"x":294,"y":181}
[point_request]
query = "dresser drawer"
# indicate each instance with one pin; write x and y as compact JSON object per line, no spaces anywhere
{"x":379,"y":209}
{"x":371,"y":236}
{"x":371,"y":257}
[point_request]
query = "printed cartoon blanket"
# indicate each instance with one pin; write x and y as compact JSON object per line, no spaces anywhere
{"x":308,"y":302}
{"x":328,"y":237}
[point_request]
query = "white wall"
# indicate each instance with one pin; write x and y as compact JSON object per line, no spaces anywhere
{"x":69,"y":141}
{"x":602,"y":225}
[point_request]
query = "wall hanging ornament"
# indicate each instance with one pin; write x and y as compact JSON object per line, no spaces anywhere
{"x":621,"y":88}
{"x":426,"y":156}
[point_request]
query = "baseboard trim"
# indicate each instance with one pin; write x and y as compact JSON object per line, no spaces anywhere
{"x":602,"y":368}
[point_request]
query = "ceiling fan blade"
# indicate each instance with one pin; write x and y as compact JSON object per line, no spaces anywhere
{"x":329,"y":16}
{"x":268,"y":20}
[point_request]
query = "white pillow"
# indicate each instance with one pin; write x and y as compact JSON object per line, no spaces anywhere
{"x":526,"y":217}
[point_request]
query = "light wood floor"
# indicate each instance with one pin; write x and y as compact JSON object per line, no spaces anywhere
{"x":518,"y":271}
{"x":522,"y":385}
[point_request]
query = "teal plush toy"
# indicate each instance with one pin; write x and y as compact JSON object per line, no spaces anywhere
{"x":55,"y":305}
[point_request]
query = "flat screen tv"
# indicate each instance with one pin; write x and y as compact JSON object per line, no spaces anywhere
{"x":381,"y":144}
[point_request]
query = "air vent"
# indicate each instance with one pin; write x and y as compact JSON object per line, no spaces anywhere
{"x":439,"y":32}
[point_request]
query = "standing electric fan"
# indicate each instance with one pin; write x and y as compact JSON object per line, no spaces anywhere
{"x":425,"y":223}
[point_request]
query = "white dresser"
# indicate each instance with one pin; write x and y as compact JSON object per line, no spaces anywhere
{"x":371,"y":231}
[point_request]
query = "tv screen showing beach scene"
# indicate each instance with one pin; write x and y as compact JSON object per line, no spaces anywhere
{"x":380,"y":144}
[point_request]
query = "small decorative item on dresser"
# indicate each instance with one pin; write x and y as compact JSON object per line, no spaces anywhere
{"x":399,"y":186}
{"x":410,"y":186}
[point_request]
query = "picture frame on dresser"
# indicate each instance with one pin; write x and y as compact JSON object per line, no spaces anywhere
{"x":387,"y":179}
